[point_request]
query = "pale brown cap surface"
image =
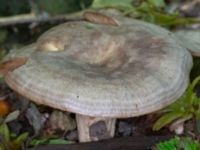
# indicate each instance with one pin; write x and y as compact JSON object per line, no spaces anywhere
{"x":100,"y":70}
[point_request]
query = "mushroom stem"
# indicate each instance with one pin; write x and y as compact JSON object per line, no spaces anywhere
{"x":94,"y":128}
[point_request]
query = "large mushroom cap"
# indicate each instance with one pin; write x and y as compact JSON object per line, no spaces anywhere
{"x":103,"y":70}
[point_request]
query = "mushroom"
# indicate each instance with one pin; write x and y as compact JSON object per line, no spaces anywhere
{"x":190,"y":40}
{"x":102,"y":72}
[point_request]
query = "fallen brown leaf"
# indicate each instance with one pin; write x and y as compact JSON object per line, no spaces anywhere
{"x":99,"y":18}
{"x":4,"y":108}
{"x":11,"y":64}
{"x":59,"y":120}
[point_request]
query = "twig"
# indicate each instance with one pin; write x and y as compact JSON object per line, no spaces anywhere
{"x":31,"y":18}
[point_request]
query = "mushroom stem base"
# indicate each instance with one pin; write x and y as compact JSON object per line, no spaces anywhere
{"x":94,"y":128}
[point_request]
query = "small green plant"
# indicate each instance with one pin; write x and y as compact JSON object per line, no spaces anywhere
{"x":185,"y":108}
{"x":9,"y":140}
{"x":178,"y":143}
{"x":154,"y":11}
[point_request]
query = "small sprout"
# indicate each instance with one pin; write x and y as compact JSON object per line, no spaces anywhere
{"x":10,"y":141}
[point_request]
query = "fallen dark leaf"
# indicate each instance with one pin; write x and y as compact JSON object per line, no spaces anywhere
{"x":35,"y":118}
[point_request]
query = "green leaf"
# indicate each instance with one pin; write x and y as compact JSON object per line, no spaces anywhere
{"x":148,"y":11}
{"x":3,"y":36}
{"x":186,"y":107}
{"x":144,"y":7}
{"x":166,"y":119}
{"x":36,"y":142}
{"x":188,"y":143}
{"x":2,"y":147}
{"x":171,"y":19}
{"x":47,"y":140}
{"x":4,"y":131}
{"x":167,"y":145}
{"x":12,"y":116}
{"x":195,"y":82}
{"x":55,"y":7}
{"x":16,"y":144}
{"x":112,"y":3}
{"x":177,"y":143}
{"x":157,"y":3}
{"x":184,"y":103}
{"x":21,"y":138}
{"x":59,"y":141}
{"x":164,"y":19}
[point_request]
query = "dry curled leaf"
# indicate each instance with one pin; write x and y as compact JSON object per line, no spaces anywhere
{"x":99,"y":18}
{"x":59,"y":120}
{"x":4,"y":108}
{"x":11,"y":64}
